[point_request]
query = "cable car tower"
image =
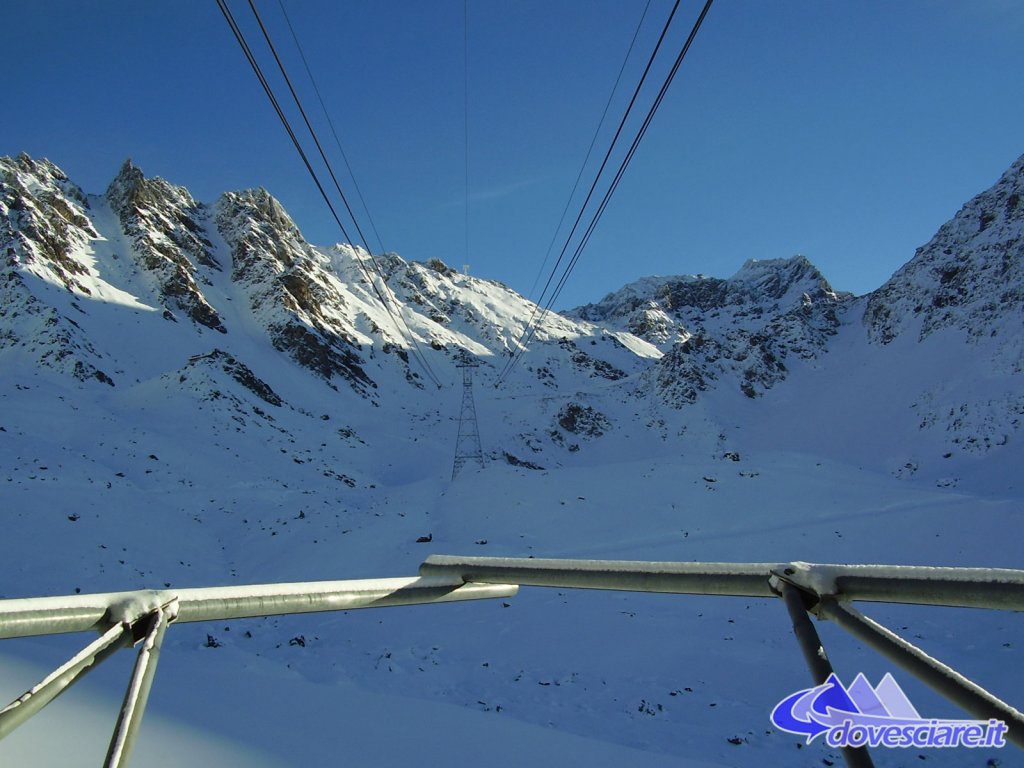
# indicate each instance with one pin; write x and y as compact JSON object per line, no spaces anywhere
{"x":467,"y":444}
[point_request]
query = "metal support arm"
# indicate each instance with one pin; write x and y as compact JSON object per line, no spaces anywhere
{"x":823,"y":589}
{"x":80,"y":613}
{"x":943,"y":679}
{"x":999,"y":588}
{"x":126,"y":617}
{"x":817,"y":660}
{"x":62,"y":678}
{"x":137,"y":694}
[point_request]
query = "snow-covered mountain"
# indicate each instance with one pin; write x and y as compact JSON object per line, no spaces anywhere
{"x":192,"y":394}
{"x":968,"y":277}
{"x":741,"y":330}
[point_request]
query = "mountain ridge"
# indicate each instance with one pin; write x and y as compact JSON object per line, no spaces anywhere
{"x":240,"y":268}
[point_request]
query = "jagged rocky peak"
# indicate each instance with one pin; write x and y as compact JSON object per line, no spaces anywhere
{"x":43,"y":221}
{"x":252,"y":220}
{"x":787,"y":281}
{"x":34,"y":175}
{"x":669,"y":310}
{"x":969,"y":276}
{"x":131,"y":194}
{"x":40,"y":186}
{"x":781,"y":282}
{"x":267,"y":248}
{"x":740,"y":333}
{"x":264,"y":241}
{"x":291,"y":292}
{"x":165,"y":227}
{"x":44,"y":227}
{"x":271,"y":211}
{"x":126,"y":191}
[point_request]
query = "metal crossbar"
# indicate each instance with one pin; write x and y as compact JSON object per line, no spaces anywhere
{"x":826,"y":590}
{"x":958,"y":587}
{"x":30,"y":616}
{"x":127,"y":618}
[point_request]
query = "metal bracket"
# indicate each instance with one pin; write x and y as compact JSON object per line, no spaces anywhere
{"x":154,"y":625}
{"x":938,"y":676}
{"x":62,"y":678}
{"x":798,"y":602}
{"x":818,"y":590}
{"x":127,"y":629}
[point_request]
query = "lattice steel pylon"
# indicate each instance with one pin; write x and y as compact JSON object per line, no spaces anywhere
{"x":467,"y":444}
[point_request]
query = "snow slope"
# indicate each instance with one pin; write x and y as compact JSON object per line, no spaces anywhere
{"x":193,"y":395}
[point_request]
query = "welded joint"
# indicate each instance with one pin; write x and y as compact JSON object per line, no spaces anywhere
{"x":134,"y":606}
{"x":143,"y":628}
{"x":138,"y":612}
{"x":794,"y":574}
{"x":814,"y":578}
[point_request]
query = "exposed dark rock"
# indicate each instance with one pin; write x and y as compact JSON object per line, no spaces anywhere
{"x":970,"y":276}
{"x":515,"y":461}
{"x":162,"y":222}
{"x":312,"y":351}
{"x":289,"y":292}
{"x":583,"y":420}
{"x":584,"y":362}
{"x":239,"y":372}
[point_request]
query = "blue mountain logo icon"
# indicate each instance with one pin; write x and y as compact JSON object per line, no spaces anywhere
{"x":864,"y":715}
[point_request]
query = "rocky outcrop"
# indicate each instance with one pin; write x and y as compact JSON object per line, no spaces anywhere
{"x":582,"y":420}
{"x":738,"y":332}
{"x":43,"y":228}
{"x":969,"y":277}
{"x":165,"y":227}
{"x":218,"y":360}
{"x":290,"y":293}
{"x":43,"y":221}
{"x":29,"y":326}
{"x":668,"y":310}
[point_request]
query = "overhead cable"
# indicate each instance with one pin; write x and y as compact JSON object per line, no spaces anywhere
{"x":330,"y":123}
{"x":222,"y":4}
{"x":629,"y":155}
{"x":539,"y":314}
{"x":540,"y":309}
{"x":400,"y":319}
{"x":590,"y":149}
{"x":465,"y":113}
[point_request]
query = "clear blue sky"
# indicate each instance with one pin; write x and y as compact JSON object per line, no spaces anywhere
{"x":846,"y":131}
